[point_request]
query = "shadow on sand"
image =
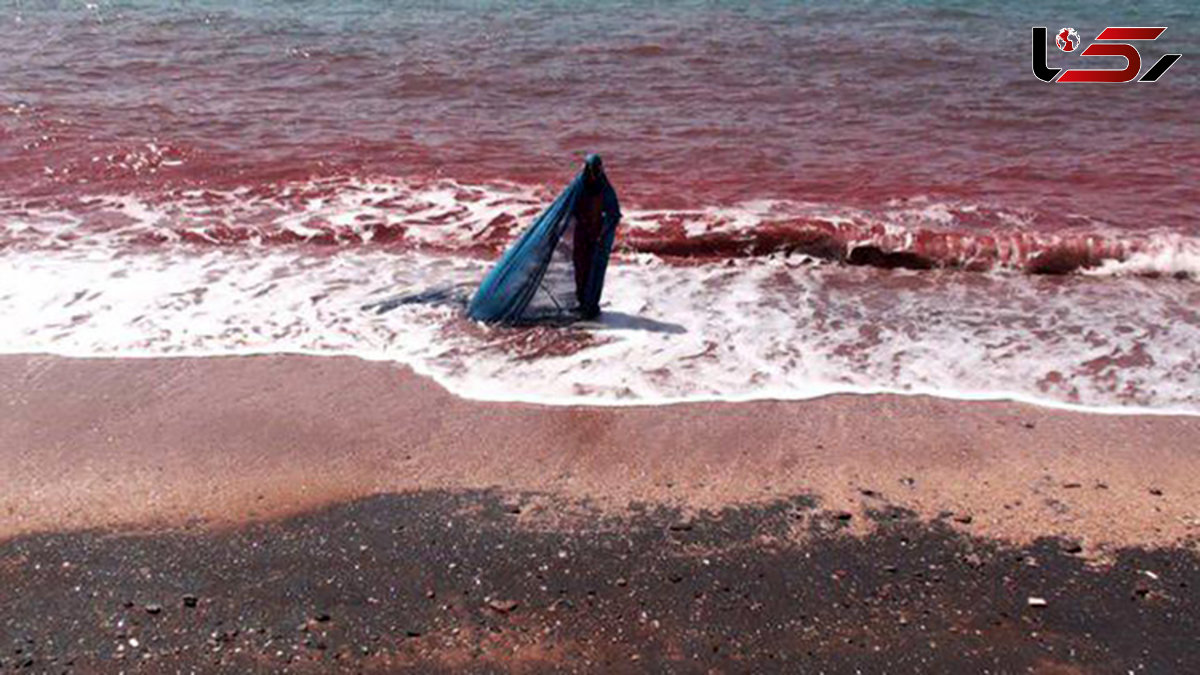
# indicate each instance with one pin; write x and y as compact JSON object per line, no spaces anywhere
{"x":622,"y":321}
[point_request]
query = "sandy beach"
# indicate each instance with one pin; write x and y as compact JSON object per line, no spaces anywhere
{"x":134,"y":443}
{"x":165,"y":501}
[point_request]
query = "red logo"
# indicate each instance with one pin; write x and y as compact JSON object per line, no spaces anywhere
{"x":1067,"y":39}
{"x":1112,"y":41}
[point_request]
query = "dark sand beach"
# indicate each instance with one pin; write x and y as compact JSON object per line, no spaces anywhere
{"x":330,"y":514}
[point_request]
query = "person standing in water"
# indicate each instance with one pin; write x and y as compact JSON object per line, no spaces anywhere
{"x":531,"y":282}
{"x":589,"y":216}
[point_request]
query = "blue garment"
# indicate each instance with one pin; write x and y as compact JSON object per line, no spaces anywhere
{"x":535,"y":279}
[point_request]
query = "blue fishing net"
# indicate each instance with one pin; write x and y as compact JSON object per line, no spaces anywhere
{"x":555,"y":269}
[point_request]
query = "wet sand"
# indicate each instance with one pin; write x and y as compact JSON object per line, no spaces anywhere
{"x":331,"y":514}
{"x":148,"y":442}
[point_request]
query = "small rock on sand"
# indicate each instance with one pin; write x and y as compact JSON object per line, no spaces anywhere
{"x":503,"y":606}
{"x":1036,"y":602}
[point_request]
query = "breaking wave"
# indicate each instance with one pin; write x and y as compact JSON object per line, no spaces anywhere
{"x":768,"y":299}
{"x":445,"y":216}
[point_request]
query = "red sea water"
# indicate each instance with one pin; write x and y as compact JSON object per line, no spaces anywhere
{"x":776,"y":164}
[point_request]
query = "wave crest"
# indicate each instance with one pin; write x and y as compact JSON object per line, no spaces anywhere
{"x":481,"y":220}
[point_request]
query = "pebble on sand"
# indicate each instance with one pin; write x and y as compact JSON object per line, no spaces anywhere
{"x":503,"y":606}
{"x":1036,"y":602}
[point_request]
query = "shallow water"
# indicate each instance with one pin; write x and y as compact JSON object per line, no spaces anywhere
{"x":230,"y":178}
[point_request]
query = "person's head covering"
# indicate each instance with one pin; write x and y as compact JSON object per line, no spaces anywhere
{"x":593,"y":167}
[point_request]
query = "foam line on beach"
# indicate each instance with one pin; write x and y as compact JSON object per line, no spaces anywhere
{"x":745,"y":330}
{"x":494,"y":394}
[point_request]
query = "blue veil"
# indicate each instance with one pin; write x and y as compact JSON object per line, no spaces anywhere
{"x":536,"y":279}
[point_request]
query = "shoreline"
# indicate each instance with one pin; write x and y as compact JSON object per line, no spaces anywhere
{"x":847,"y":390}
{"x":220,"y":441}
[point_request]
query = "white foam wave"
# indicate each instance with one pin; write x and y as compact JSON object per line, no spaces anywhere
{"x":1167,"y":255}
{"x":774,"y":327}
